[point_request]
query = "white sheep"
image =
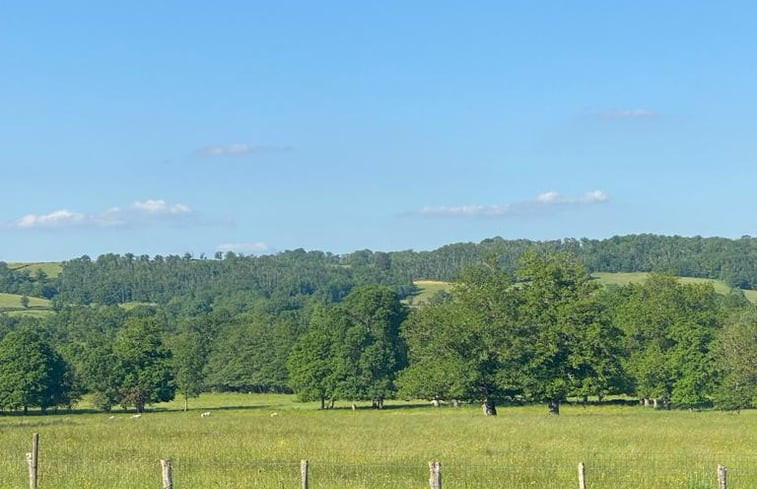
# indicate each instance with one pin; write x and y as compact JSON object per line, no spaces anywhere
{"x":205,"y":414}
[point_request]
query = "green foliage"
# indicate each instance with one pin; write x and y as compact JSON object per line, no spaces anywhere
{"x":575,"y":347}
{"x":32,"y":373}
{"x":353,"y":350}
{"x":736,"y":354}
{"x":670,"y":328}
{"x":190,"y":349}
{"x":144,"y":365}
{"x":250,"y":352}
{"x":540,"y":339}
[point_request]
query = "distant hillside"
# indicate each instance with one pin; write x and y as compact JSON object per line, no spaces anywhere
{"x":51,"y":269}
{"x":291,"y":278}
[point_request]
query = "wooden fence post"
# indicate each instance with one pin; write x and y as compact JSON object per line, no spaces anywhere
{"x":722,"y":477}
{"x":165,"y":464}
{"x":32,"y":460}
{"x":305,"y":472}
{"x":581,"y":475}
{"x":435,"y":481}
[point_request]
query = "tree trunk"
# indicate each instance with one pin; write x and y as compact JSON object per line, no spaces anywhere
{"x":186,"y":403}
{"x":489,"y":407}
{"x":323,"y":403}
{"x":554,"y":407}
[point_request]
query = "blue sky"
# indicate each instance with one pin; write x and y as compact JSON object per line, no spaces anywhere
{"x":173,"y":127}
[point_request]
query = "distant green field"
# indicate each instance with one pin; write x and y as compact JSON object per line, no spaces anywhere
{"x":52,"y":269}
{"x":131,"y":305}
{"x":427,"y":288}
{"x":243,"y":445}
{"x":621,"y":279}
{"x":11,"y":304}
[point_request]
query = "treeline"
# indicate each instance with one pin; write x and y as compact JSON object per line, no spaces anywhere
{"x":297,"y":274}
{"x":733,"y":261}
{"x":549,"y":334}
{"x":544,"y":333}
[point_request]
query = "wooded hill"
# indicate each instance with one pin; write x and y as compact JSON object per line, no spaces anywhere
{"x":254,"y":323}
{"x":118,"y":279}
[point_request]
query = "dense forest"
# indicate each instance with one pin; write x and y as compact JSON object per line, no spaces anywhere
{"x":523,"y":323}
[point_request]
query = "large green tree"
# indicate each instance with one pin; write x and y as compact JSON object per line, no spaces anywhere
{"x":471,"y":347}
{"x":353,"y":350}
{"x":144,"y":362}
{"x":736,"y":358}
{"x":190,"y":350}
{"x":32,"y":373}
{"x":670,"y":327}
{"x":312,"y":362}
{"x":539,"y":339}
{"x":574,"y":347}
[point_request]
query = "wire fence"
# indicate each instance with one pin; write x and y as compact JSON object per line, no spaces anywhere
{"x":606,"y":471}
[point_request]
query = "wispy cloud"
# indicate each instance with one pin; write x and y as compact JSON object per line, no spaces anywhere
{"x":630,"y":114}
{"x":249,"y":248}
{"x":239,"y":149}
{"x":139,"y":213}
{"x":543,"y":202}
{"x":56,"y":219}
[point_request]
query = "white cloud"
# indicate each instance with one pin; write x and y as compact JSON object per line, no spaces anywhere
{"x":630,"y":114}
{"x":55,"y":219}
{"x":140,"y":213}
{"x":549,"y":198}
{"x":542,"y":203}
{"x":160,"y":207}
{"x":237,"y":149}
{"x":251,"y":248}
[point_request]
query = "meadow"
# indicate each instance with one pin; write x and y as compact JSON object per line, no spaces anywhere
{"x":11,"y":304}
{"x":242,"y":445}
{"x":51,"y":269}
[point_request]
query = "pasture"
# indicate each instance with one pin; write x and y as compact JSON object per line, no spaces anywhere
{"x":51,"y":269}
{"x":11,"y":304}
{"x":241,"y":445}
{"x":428,"y":288}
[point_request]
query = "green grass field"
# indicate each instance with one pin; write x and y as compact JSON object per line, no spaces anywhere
{"x":11,"y":304}
{"x":242,"y":446}
{"x":428,"y":288}
{"x":52,"y":269}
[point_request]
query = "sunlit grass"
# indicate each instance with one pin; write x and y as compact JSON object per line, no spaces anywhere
{"x":11,"y":304}
{"x":242,"y":445}
{"x":51,"y":269}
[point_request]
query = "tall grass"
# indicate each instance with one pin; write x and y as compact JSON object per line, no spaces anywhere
{"x":242,"y":446}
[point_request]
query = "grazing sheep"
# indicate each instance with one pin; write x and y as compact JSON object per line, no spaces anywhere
{"x":435,"y":402}
{"x":205,"y":414}
{"x":274,"y":414}
{"x":136,"y":416}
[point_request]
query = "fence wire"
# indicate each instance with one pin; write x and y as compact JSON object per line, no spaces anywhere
{"x":608,"y":471}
